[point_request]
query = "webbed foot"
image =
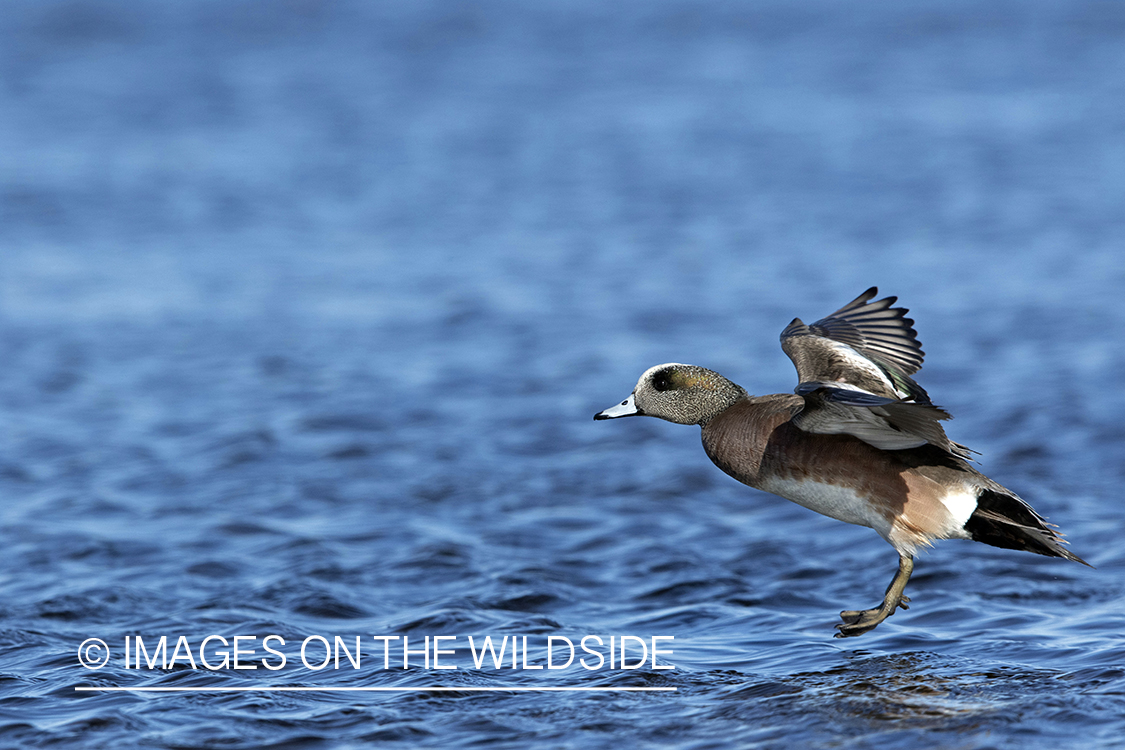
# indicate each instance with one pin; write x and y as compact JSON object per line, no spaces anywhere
{"x":852,"y":615}
{"x":857,"y":622}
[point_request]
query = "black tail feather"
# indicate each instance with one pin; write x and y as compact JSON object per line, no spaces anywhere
{"x":1007,"y":521}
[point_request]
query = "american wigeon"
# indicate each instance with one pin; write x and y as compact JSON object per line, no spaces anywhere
{"x":859,"y":441}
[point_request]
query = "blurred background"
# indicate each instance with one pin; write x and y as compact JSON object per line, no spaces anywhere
{"x":305,"y":308}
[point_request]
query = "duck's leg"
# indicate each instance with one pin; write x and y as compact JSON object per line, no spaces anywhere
{"x":858,"y":622}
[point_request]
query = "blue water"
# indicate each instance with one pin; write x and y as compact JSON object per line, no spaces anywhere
{"x":305,"y":309}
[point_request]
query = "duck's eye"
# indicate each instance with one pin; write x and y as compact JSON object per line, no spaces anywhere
{"x":662,"y":381}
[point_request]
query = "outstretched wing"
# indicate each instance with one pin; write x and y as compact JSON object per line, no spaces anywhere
{"x":854,"y":368}
{"x":869,"y":345}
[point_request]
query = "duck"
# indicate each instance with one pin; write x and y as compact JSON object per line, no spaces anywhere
{"x":858,"y":440}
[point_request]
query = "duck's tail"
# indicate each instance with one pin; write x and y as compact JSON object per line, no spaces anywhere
{"x":1004,"y":520}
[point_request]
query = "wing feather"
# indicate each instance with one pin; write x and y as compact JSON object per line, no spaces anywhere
{"x":854,"y":368}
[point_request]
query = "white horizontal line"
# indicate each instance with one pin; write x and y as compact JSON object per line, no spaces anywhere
{"x":432,"y":689}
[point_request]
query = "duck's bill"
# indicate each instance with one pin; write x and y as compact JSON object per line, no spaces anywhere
{"x":625,"y":409}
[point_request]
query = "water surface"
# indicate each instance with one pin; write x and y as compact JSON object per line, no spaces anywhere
{"x":305,"y":310}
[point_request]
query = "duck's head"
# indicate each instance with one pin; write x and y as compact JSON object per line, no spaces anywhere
{"x":684,"y":394}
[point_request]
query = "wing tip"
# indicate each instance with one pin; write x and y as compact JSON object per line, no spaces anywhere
{"x":795,"y":328}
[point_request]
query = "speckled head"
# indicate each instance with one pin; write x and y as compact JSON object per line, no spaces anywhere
{"x":684,"y":394}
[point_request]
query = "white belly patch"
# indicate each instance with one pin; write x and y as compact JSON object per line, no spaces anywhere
{"x":834,"y":501}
